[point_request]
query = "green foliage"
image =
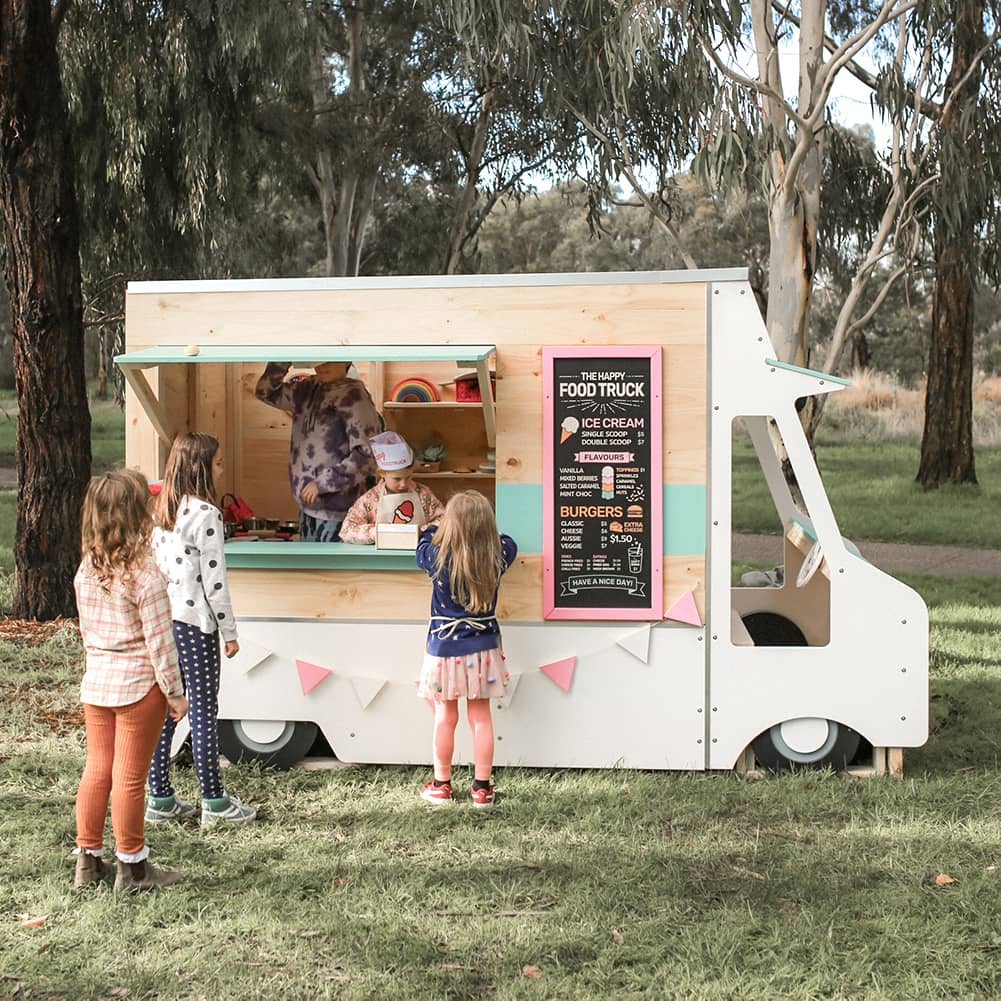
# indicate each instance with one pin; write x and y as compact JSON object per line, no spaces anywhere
{"x":161,"y":98}
{"x":872,"y":491}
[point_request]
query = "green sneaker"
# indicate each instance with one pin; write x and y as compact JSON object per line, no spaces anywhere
{"x":160,"y":809}
{"x":227,"y":809}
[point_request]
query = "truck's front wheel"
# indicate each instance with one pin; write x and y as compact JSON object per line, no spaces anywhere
{"x":809,"y":741}
{"x":275,"y":743}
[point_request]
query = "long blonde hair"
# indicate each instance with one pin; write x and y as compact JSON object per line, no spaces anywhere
{"x":115,"y":524}
{"x":188,"y":473}
{"x":469,"y":551}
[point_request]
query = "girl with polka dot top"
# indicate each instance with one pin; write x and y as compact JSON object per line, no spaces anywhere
{"x":188,"y":545}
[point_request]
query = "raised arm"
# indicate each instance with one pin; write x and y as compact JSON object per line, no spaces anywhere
{"x":272,"y":387}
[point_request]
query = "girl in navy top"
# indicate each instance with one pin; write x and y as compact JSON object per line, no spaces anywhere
{"x":464,"y":557}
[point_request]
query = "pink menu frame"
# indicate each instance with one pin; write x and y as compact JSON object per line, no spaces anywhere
{"x":656,"y":606}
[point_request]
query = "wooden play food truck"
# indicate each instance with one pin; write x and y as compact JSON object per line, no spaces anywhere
{"x":606,"y":416}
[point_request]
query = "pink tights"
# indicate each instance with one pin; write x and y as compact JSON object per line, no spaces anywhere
{"x":446,"y":717}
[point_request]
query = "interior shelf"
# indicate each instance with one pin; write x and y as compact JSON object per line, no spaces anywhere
{"x":443,"y":404}
{"x":449,"y":474}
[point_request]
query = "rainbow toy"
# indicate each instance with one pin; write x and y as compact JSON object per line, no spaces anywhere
{"x":414,"y":390}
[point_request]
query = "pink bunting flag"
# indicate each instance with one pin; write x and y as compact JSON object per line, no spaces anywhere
{"x":684,"y":610}
{"x":310,"y":675}
{"x":560,"y":671}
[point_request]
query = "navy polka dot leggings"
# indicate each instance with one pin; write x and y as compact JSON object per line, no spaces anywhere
{"x":198,"y":658}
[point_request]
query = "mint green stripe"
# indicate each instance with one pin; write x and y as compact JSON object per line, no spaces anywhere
{"x":519,"y":514}
{"x":684,"y":519}
{"x":316,"y":555}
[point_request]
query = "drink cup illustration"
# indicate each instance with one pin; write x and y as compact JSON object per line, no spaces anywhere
{"x":635,"y":554}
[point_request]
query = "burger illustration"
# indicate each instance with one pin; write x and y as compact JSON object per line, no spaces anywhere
{"x":634,"y":511}
{"x":615,"y":526}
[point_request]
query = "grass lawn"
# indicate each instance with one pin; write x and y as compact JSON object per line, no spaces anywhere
{"x":874,"y":496}
{"x":599,"y":884}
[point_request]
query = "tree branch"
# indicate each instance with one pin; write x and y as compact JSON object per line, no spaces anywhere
{"x":751,"y":84}
{"x":927,"y":108}
{"x":850,"y":48}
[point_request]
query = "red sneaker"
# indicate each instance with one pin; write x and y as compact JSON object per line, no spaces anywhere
{"x":435,"y":793}
{"x":482,"y":797}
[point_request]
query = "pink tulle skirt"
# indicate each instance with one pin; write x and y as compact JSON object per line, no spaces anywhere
{"x":478,"y":675}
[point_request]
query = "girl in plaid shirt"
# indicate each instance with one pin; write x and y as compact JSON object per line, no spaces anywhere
{"x":131,"y":677}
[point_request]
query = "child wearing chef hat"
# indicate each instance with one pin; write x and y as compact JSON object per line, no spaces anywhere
{"x":397,"y":499}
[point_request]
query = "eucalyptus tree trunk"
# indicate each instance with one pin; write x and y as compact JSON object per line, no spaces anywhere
{"x":947,"y":441}
{"x":794,"y":184}
{"x":42,"y":271}
{"x":474,"y":159}
{"x":346,"y":194}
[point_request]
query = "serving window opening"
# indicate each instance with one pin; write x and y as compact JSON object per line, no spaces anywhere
{"x":438,"y":397}
{"x":781,"y":597}
{"x":435,"y":406}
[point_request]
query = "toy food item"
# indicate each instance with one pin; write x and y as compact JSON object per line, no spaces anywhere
{"x":414,"y":390}
{"x":191,"y":350}
{"x":404,"y":514}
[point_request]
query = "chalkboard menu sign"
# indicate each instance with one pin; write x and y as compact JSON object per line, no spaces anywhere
{"x":602,"y":489}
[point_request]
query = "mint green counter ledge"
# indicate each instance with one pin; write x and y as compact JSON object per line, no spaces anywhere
{"x":315,"y":556}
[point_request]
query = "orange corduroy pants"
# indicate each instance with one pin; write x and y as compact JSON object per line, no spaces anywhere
{"x":120,"y":743}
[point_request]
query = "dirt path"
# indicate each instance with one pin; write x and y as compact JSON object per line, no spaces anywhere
{"x":939,"y":561}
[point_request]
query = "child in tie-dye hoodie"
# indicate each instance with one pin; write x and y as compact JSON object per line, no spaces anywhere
{"x":330,"y":463}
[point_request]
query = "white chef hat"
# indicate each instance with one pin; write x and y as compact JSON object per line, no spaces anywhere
{"x":391,"y":451}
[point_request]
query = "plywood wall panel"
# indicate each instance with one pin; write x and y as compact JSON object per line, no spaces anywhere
{"x":406,"y":595}
{"x":560,"y":314}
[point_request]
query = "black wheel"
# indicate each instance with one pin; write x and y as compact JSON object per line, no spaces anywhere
{"x":808,"y":742}
{"x":275,"y":743}
{"x":772,"y":629}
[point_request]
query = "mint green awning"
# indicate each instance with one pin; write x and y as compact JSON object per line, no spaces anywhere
{"x":463,"y":354}
{"x":823,"y":376}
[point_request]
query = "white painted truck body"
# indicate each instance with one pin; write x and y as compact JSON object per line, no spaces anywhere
{"x":661,"y":694}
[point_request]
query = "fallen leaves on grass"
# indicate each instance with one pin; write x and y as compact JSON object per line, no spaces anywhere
{"x":458,"y":966}
{"x":617,"y":937}
{"x":27,"y":921}
{"x":532,"y":972}
{"x":32,"y":633}
{"x":750,"y":872}
{"x":42,"y":707}
{"x":944,"y":880}
{"x":790,"y":836}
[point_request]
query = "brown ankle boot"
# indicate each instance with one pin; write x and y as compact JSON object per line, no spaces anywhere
{"x":133,"y":877}
{"x":89,"y":870}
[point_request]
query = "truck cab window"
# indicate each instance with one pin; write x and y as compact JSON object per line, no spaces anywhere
{"x":780,"y":592}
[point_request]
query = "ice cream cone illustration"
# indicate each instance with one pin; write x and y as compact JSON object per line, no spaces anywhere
{"x":404,"y":514}
{"x":607,"y":482}
{"x":569,"y":427}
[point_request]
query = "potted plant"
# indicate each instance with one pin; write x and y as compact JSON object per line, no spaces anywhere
{"x":430,"y":457}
